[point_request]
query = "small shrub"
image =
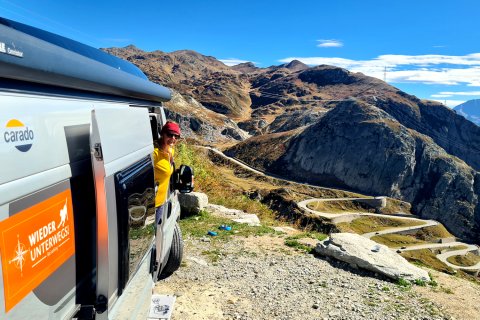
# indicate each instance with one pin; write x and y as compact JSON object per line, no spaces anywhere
{"x":432,"y":282}
{"x":404,"y":283}
{"x":420,"y":282}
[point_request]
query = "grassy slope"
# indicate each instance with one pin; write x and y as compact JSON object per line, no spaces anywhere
{"x":228,"y":185}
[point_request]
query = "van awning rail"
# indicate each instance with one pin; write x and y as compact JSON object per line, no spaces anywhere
{"x":33,"y":55}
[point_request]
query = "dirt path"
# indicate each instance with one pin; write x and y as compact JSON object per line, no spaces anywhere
{"x":261,"y":278}
{"x":461,"y":298}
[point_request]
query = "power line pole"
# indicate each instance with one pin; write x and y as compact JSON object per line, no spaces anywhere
{"x":385,"y":74}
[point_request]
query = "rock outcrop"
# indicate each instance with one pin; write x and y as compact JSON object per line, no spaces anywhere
{"x":212,"y":83}
{"x":192,"y":203}
{"x":361,"y":147}
{"x":201,"y":124}
{"x":367,"y":254}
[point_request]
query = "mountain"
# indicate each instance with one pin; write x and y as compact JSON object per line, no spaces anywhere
{"x":360,"y":147}
{"x":329,"y":126}
{"x":470,"y":110}
{"x":212,"y":83}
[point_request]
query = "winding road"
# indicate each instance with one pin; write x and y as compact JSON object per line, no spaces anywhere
{"x":349,"y":216}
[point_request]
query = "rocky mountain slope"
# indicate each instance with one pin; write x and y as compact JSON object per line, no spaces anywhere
{"x":330,"y":126}
{"x":470,"y":110}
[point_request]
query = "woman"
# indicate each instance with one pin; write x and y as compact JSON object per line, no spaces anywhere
{"x":163,"y":163}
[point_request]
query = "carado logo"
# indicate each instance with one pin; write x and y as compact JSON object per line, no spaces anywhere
{"x":19,"y":135}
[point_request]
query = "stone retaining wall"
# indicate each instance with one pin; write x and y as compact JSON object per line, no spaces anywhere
{"x":377,"y":202}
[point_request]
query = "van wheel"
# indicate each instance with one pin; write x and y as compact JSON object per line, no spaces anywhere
{"x":175,"y":255}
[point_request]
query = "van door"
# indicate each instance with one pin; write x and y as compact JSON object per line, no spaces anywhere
{"x":121,"y":147}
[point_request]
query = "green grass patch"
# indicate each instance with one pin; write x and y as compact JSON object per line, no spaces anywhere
{"x":340,"y":206}
{"x":467,"y":260}
{"x":199,"y":225}
{"x":404,"y":283}
{"x":294,"y":241}
{"x":426,"y":258}
{"x":373,"y":223}
{"x":454,"y":248}
{"x":420,"y":282}
{"x":396,"y":206}
{"x":210,"y":180}
{"x":432,"y":233}
{"x":394,"y":240}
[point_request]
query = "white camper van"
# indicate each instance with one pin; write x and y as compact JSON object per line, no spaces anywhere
{"x":77,"y":231}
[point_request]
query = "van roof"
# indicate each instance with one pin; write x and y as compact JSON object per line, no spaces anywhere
{"x":34,"y":55}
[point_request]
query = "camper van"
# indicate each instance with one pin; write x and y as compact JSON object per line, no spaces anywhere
{"x":78,"y":237}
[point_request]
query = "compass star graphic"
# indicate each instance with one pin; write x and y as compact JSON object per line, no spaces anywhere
{"x":19,"y":259}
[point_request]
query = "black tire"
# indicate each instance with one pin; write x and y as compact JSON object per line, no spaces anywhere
{"x":176,"y":253}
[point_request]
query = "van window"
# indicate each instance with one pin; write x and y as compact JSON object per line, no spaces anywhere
{"x":135,"y":193}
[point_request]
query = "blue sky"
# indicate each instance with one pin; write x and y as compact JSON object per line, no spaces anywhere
{"x":427,"y":48}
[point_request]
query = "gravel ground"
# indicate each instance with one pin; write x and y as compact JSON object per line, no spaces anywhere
{"x":260,"y":278}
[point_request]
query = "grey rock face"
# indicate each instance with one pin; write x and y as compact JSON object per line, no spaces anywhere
{"x":361,"y":147}
{"x":193,"y":202}
{"x":447,"y":129}
{"x":201,"y":125}
{"x":327,"y":75}
{"x":367,"y":254}
{"x":290,"y":121}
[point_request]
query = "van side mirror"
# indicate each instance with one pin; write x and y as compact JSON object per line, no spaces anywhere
{"x":183,"y":179}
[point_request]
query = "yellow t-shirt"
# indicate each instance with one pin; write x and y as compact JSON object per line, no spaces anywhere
{"x":163,"y":169}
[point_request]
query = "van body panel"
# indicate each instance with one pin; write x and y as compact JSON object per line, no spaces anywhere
{"x":33,"y":127}
{"x":18,"y":188}
{"x":116,"y":134}
{"x":166,"y":228}
{"x":76,"y":143}
{"x":115,"y":148}
{"x":38,"y":254}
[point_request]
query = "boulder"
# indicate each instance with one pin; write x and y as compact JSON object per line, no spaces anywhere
{"x":364,"y":253}
{"x":233,"y":214}
{"x":192,"y":203}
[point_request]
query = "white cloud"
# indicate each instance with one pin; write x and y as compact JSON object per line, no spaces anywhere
{"x":427,"y":69}
{"x":233,"y":61}
{"x":331,"y":43}
{"x":439,"y":95}
{"x":458,"y":93}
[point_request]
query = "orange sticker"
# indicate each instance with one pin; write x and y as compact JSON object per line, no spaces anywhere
{"x":34,"y":243}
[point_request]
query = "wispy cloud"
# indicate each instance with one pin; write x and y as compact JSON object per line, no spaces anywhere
{"x":427,"y":69}
{"x":446,"y":94}
{"x":233,"y":61}
{"x":329,"y":43}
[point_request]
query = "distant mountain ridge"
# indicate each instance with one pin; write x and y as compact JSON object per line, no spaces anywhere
{"x":470,"y":110}
{"x":328,"y":125}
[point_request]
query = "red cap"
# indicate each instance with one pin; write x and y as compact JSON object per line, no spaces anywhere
{"x":171,"y":127}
